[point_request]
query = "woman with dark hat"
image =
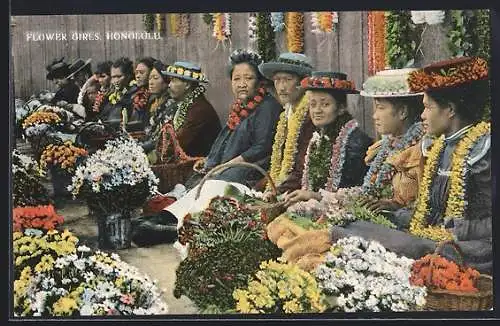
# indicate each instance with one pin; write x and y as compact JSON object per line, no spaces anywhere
{"x":59,"y":72}
{"x":337,"y":140}
{"x":81,"y":71}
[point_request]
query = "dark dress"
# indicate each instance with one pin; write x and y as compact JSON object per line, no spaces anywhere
{"x":473,"y":231}
{"x":252,"y":139}
{"x":112,"y":111}
{"x":68,"y":93}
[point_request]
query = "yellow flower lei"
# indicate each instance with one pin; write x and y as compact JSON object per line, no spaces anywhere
{"x":455,"y":204}
{"x":282,"y":161}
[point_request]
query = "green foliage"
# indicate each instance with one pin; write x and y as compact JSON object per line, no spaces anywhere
{"x":149,"y":22}
{"x":362,"y":213}
{"x":266,"y":45}
{"x":207,"y":18}
{"x":319,"y":164}
{"x":400,"y":39}
{"x":460,"y":36}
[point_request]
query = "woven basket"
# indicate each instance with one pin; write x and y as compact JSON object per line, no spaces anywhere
{"x":271,"y":210}
{"x":440,"y":300}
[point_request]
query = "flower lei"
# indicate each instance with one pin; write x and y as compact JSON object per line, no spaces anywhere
{"x":380,"y":172}
{"x":277,"y":21}
{"x":241,"y":110}
{"x":179,"y":24}
{"x":185,"y":104}
{"x":455,"y":201}
{"x":295,"y":32}
{"x":160,"y":22}
{"x":116,"y":95}
{"x":376,"y":41}
{"x":140,"y":99}
{"x":222,"y":26}
{"x":282,"y":161}
{"x":324,"y":22}
{"x":99,"y":99}
{"x":265,"y":37}
{"x":400,"y":41}
{"x":337,"y":158}
{"x":252,"y":27}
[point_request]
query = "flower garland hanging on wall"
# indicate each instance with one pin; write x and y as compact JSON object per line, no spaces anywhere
{"x":208,"y":18}
{"x":324,"y":22}
{"x":266,"y":46}
{"x":148,"y":20}
{"x":400,"y":40}
{"x":376,"y":41}
{"x":278,"y":21}
{"x":160,"y":22}
{"x":461,"y":33}
{"x":252,"y":27}
{"x":295,"y":32}
{"x":179,"y":25}
{"x":222,"y":26}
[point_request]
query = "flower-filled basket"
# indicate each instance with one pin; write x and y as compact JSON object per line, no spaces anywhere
{"x":451,"y":286}
{"x":115,"y":181}
{"x":270,"y":210}
{"x":174,"y":165}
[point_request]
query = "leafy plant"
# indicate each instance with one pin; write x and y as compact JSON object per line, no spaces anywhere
{"x":400,"y":39}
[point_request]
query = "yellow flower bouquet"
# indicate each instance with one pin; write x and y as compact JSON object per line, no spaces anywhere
{"x":280,"y":288}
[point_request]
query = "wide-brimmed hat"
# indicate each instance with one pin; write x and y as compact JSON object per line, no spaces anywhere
{"x":448,"y":74}
{"x":187,"y":71}
{"x":58,"y":69}
{"x":389,"y":83}
{"x":330,"y":81}
{"x":77,"y":66}
{"x":296,"y":63}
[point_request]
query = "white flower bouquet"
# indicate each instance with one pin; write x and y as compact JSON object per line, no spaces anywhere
{"x":79,"y":282}
{"x":115,"y":179}
{"x":361,"y":275}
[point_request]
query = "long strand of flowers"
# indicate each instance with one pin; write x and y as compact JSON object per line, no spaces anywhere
{"x":185,"y":104}
{"x":295,"y":32}
{"x":182,"y":28}
{"x":278,"y":21}
{"x":337,"y":157}
{"x":222,"y":26}
{"x":456,"y":204}
{"x":227,"y":25}
{"x":376,"y":41}
{"x":148,"y":20}
{"x":380,"y":172}
{"x":160,"y":22}
{"x":324,"y":22}
{"x":283,"y":159}
{"x":265,"y":37}
{"x":173,"y":23}
{"x":400,"y":43}
{"x":252,"y":27}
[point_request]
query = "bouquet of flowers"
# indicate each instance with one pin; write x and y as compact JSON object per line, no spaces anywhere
{"x":437,"y":272}
{"x":27,"y":177}
{"x":38,"y":217}
{"x":64,"y":157}
{"x":227,"y":243}
{"x":40,"y":122}
{"x":361,"y":275}
{"x":280,"y":288}
{"x":78,"y":282}
{"x":115,"y":179}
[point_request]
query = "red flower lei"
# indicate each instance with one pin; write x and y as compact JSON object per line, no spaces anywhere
{"x":140,"y":99}
{"x":101,"y":95}
{"x":239,"y":110}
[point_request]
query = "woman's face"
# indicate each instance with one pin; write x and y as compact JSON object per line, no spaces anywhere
{"x":142,"y":75}
{"x":91,"y":93}
{"x":157,"y":84}
{"x":104,"y":80}
{"x":435,"y":119}
{"x":118,"y":78}
{"x":177,"y":88}
{"x":243,"y":81}
{"x":387,"y":119}
{"x":323,"y":108}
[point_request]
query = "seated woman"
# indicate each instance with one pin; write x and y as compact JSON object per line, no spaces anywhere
{"x":140,"y":91}
{"x":246,"y":137}
{"x":337,"y":140}
{"x":455,"y":94}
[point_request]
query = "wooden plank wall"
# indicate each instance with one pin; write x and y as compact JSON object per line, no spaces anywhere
{"x":344,"y":50}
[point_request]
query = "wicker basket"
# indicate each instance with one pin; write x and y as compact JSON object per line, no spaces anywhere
{"x":270,"y":210}
{"x":440,"y":300}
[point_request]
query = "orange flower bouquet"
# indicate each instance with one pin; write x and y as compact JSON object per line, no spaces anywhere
{"x":451,"y":286}
{"x":36,"y":217}
{"x":63,"y":156}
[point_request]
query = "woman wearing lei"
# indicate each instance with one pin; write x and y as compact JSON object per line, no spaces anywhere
{"x":140,"y":94}
{"x":193,"y":118}
{"x":454,"y":198}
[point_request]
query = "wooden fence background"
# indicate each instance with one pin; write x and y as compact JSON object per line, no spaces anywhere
{"x":344,"y":50}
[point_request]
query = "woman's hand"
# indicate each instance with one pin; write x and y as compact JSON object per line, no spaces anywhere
{"x":199,"y":165}
{"x":300,"y":195}
{"x":377,"y":206}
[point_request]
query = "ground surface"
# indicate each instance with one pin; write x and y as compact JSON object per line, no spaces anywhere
{"x":158,"y":262}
